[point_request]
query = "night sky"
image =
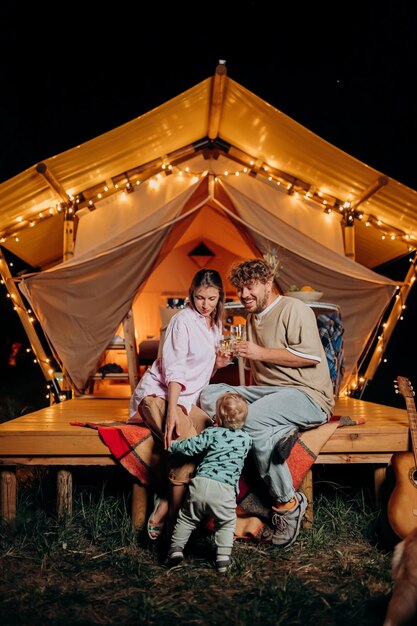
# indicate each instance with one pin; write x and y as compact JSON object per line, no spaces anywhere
{"x":347,"y":74}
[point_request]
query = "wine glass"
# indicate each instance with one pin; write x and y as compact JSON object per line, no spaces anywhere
{"x":225,"y":346}
{"x":237,"y":333}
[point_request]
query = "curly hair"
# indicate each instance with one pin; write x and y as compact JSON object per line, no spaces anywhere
{"x":231,"y":410}
{"x":249,"y":270}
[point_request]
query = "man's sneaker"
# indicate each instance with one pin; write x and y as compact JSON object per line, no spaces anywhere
{"x":175,"y":556}
{"x":223,"y":564}
{"x":287,"y":522}
{"x":283,"y":446}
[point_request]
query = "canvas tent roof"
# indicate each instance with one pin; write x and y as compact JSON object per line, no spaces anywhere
{"x":262,"y":180}
{"x":246,"y":124}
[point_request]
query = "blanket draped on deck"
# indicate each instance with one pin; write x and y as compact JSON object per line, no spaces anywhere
{"x":135,"y":448}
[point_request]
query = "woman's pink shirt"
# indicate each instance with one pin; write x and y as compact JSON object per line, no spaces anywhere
{"x":188,"y":358}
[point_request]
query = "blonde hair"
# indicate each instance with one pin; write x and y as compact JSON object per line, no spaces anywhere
{"x":231,"y":411}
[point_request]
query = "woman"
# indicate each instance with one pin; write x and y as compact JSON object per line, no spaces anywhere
{"x":167,"y":395}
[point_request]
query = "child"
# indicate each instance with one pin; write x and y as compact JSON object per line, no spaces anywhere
{"x":213,"y":489}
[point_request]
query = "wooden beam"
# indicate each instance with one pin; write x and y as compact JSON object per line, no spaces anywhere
{"x":391,"y":322}
{"x":146,"y":170}
{"x":69,"y":239}
{"x":307,"y":488}
{"x":349,"y":239}
{"x":68,"y":232}
{"x":53,"y":183}
{"x":8,"y":489}
{"x":370,"y":191}
{"x":349,"y":227}
{"x":131,"y":350}
{"x":64,"y":493}
{"x":216,"y":105}
{"x":139,"y":505}
{"x":25,"y":319}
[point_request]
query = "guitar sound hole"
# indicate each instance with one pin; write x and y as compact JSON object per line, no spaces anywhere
{"x":413,"y":475}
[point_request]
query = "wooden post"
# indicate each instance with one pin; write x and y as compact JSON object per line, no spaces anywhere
{"x":8,"y":494}
{"x":69,"y":241}
{"x":52,"y":182}
{"x":241,"y":370}
{"x":68,"y":236}
{"x":55,"y":185}
{"x":393,"y":318}
{"x":380,"y":182}
{"x":131,"y":350}
{"x":307,"y":488}
{"x":379,"y":477}
{"x":216,"y":105}
{"x":349,"y":226}
{"x":24,"y":318}
{"x":64,"y":493}
{"x":349,"y":235}
{"x":139,"y":505}
{"x":68,"y":253}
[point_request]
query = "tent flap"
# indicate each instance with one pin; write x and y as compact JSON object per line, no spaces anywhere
{"x":81,"y":303}
{"x":224,"y":193}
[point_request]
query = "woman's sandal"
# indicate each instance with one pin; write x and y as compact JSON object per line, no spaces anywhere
{"x":154,"y":530}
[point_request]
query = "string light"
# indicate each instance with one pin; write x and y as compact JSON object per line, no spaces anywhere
{"x":397,"y":301}
{"x":127,"y":181}
{"x":35,"y":360}
{"x":123,"y":184}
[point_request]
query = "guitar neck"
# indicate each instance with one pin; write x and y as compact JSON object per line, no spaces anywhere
{"x":412,"y":420}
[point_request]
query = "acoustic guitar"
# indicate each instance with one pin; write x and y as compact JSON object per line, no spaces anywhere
{"x":402,"y":504}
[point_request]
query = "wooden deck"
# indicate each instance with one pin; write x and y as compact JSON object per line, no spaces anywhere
{"x":46,"y":437}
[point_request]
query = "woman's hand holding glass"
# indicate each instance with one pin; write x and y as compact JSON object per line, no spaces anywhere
{"x":229,"y":345}
{"x":224,"y":353}
{"x":225,"y":346}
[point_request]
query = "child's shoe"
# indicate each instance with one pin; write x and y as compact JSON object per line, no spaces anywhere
{"x":175,"y":556}
{"x":223,"y":563}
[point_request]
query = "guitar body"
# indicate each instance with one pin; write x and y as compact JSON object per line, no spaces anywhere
{"x":402,"y":504}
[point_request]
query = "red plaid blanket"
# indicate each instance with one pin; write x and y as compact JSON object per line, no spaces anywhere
{"x":135,"y":448}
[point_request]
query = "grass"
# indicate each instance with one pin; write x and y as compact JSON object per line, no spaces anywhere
{"x":95,"y":569}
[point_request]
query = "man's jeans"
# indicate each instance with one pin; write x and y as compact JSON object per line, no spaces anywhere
{"x":273,"y":412}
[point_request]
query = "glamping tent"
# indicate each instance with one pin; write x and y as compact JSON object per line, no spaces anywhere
{"x":115,"y":223}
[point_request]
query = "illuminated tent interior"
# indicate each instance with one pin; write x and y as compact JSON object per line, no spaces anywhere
{"x":216,"y":170}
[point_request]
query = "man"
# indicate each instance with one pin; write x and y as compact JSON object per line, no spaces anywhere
{"x":292,"y":388}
